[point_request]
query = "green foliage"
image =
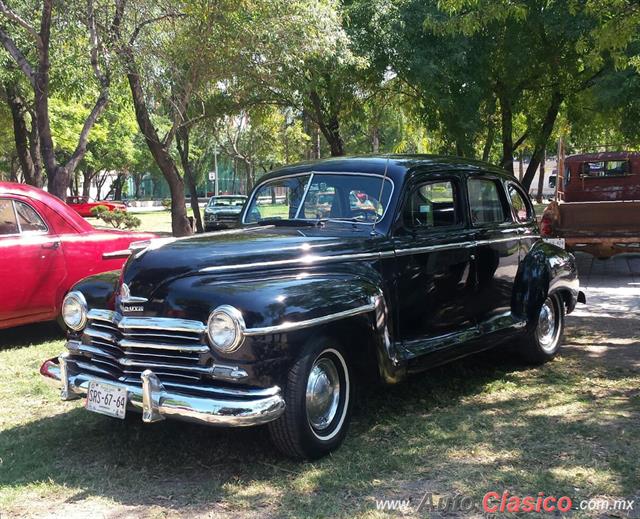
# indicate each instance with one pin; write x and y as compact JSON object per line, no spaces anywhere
{"x":260,"y":79}
{"x":118,"y":219}
{"x":99,"y":210}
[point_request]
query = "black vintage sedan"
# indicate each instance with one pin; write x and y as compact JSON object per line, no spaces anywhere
{"x":344,"y":271}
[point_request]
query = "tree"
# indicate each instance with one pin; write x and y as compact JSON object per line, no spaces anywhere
{"x":25,"y":133}
{"x":33,"y":59}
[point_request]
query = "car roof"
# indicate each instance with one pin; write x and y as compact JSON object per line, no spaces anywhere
{"x":57,"y":205}
{"x":605,"y":155}
{"x":396,"y":166}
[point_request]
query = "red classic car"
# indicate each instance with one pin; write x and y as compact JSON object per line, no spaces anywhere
{"x":83,"y":205}
{"x":45,"y":247}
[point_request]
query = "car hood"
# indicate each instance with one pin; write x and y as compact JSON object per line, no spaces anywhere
{"x":241,"y":250}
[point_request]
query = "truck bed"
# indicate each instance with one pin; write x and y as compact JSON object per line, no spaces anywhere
{"x":599,"y":228}
{"x":605,"y":219}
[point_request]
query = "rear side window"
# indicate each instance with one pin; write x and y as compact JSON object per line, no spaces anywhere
{"x":8,"y":224}
{"x":521,"y":209}
{"x":29,"y":220}
{"x":485,"y":202}
{"x":432,"y":204}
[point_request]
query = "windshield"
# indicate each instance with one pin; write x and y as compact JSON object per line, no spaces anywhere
{"x":219,"y":201}
{"x":349,"y":197}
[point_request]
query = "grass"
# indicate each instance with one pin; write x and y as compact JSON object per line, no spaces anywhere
{"x":570,"y":427}
{"x":152,"y":221}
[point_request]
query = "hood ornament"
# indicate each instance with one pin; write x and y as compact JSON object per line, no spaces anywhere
{"x":126,"y":297}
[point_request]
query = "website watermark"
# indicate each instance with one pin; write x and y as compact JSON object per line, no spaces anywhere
{"x":495,"y":503}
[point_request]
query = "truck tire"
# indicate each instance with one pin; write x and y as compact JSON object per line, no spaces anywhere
{"x":319,"y":398}
{"x":544,"y":337}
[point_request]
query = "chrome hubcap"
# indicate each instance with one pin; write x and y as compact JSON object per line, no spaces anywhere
{"x":323,"y":393}
{"x":547,"y":326}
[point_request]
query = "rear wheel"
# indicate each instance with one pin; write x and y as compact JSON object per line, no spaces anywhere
{"x":543,"y":340}
{"x":318,"y":396}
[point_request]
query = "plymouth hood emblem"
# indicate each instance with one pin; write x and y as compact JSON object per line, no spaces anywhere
{"x":126,"y":297}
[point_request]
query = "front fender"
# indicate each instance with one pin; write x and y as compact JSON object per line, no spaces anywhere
{"x":544,"y":270}
{"x":100,"y":289}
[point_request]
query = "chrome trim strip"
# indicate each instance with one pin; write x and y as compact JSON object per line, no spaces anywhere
{"x":434,"y":248}
{"x":161,"y":323}
{"x":102,"y":315}
{"x":163,"y":365}
{"x":308,"y":259}
{"x":199,"y":348}
{"x":251,"y":407}
{"x":300,"y":325}
{"x":124,"y":253}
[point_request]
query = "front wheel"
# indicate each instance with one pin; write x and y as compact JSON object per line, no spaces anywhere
{"x":543,"y":340}
{"x":318,"y":396}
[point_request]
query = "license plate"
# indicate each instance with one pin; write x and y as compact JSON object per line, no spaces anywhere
{"x":558,"y":242}
{"x":107,"y":399}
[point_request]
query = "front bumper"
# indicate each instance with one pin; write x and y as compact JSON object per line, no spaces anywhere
{"x":156,"y":402}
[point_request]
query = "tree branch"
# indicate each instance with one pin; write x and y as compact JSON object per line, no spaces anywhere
{"x":16,"y":54}
{"x":144,"y":23}
{"x":16,"y":18}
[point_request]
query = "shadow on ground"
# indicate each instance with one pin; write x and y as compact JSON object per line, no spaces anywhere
{"x":30,"y":334}
{"x":478,"y":425}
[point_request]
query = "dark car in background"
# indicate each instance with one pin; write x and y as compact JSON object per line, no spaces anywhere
{"x":278,"y":321}
{"x":223,"y":212}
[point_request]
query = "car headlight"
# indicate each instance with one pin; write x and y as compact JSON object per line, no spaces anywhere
{"x":74,"y":310}
{"x":225,"y":328}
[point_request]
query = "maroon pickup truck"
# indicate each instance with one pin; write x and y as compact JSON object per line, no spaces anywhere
{"x":597,"y":204}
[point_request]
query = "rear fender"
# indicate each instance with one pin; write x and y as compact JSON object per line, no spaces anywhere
{"x":546,"y":269}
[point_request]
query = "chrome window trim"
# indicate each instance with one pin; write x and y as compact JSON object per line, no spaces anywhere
{"x":311,"y":174}
{"x":29,"y":233}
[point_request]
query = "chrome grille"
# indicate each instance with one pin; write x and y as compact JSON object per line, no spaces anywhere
{"x":121,"y":348}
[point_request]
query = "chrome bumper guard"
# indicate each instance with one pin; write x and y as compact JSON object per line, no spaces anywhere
{"x":156,"y":403}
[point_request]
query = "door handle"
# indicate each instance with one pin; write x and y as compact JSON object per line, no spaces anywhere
{"x":472,"y":257}
{"x":51,"y":245}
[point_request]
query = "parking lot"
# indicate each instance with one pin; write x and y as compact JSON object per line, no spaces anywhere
{"x":487,"y":423}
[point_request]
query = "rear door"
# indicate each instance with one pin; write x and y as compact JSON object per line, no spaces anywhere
{"x":496,"y":252}
{"x":433,"y":264}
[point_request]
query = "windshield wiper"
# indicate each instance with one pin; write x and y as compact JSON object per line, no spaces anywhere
{"x":290,"y":222}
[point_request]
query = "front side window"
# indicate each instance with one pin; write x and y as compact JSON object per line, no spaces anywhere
{"x":433,"y":204}
{"x":521,"y":208}
{"x":8,"y":223}
{"x":278,"y":199}
{"x":485,"y":202}
{"x":349,"y":197}
{"x":30,"y":221}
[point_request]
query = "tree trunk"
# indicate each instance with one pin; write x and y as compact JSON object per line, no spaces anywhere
{"x":543,"y":137}
{"x":179,"y":222}
{"x":520,"y":167}
{"x":118,"y":185}
{"x":541,"y":177}
{"x":20,"y":133}
{"x":329,"y":126}
{"x":34,"y":150}
{"x":375,"y":139}
{"x":58,"y":177}
{"x":506,"y":119}
{"x":182,"y":141}
{"x":316,"y":142}
{"x":87,"y":177}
